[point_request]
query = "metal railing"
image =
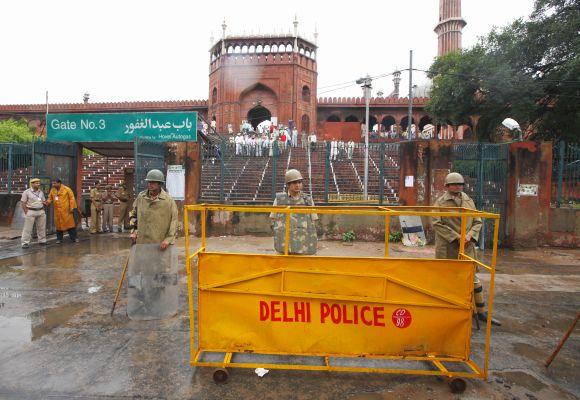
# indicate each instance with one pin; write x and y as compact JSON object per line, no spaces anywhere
{"x":19,"y":162}
{"x":254,"y":172}
{"x":15,"y":166}
{"x":566,"y":174}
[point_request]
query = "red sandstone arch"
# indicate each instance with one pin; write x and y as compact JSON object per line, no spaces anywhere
{"x":424,"y":121}
{"x":258,"y":94}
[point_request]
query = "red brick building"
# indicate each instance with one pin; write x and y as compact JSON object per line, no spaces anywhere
{"x":255,"y":78}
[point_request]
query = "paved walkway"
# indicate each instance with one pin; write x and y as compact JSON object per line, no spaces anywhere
{"x":57,"y":339}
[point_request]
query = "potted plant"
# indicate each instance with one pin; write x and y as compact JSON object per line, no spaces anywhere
{"x":348,"y":238}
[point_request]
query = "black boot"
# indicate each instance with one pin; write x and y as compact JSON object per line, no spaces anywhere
{"x":482,"y":316}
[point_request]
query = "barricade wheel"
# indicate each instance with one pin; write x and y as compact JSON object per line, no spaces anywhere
{"x":220,"y":376}
{"x":457,"y":385}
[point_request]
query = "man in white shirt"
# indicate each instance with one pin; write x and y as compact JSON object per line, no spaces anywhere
{"x":312,"y":142}
{"x":350,"y":149}
{"x":239,"y":139}
{"x":333,"y":149}
{"x":32,"y":203}
{"x":294,"y":137}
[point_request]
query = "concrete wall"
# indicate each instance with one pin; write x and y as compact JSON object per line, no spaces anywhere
{"x":368,"y":228}
{"x":564,"y":228}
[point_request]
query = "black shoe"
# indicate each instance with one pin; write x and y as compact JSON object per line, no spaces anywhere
{"x":25,"y":245}
{"x":483,"y":317}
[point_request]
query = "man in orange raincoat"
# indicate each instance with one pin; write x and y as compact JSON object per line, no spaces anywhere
{"x":65,"y":206}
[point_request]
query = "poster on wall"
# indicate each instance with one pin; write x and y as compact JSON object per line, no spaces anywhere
{"x":176,"y":181}
{"x":527,"y":190}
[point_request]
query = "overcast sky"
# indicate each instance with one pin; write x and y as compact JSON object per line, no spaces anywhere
{"x":158,"y":50}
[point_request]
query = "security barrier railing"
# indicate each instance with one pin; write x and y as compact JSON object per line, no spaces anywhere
{"x":330,"y":309}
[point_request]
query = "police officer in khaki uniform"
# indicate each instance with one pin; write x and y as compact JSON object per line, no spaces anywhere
{"x":303,"y":238}
{"x":96,"y":209}
{"x":448,"y":232}
{"x":123,"y":195}
{"x":154,"y":215}
{"x":108,"y":208}
{"x":32,"y":203}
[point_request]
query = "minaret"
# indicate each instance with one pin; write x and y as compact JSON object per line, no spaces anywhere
{"x":396,"y":83}
{"x":449,"y":27}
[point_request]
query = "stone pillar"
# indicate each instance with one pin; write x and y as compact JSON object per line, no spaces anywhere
{"x":440,"y":160}
{"x":408,"y":167}
{"x":192,"y":172}
{"x":528,"y":193}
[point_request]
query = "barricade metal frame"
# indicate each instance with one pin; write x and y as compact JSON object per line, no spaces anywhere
{"x":438,"y":362}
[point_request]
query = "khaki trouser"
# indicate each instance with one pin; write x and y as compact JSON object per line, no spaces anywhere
{"x":31,"y":217}
{"x":123,"y":221}
{"x":95,"y":219}
{"x":108,"y":217}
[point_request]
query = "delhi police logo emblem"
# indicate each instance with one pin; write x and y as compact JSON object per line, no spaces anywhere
{"x":401,"y":318}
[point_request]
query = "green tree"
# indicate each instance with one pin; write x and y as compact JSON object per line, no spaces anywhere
{"x":528,"y":70}
{"x":12,"y":131}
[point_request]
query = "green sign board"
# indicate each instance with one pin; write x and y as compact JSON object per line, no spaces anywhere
{"x":123,"y":127}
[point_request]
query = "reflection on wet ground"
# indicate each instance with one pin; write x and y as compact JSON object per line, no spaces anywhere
{"x":57,"y":338}
{"x":15,"y":330}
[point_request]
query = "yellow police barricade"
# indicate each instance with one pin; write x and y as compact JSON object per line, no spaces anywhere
{"x":336,"y":308}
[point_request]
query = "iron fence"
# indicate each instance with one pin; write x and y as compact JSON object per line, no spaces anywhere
{"x":15,"y":166}
{"x":21,"y":161}
{"x":566,"y":174}
{"x":333,"y":173}
{"x":484,"y":167}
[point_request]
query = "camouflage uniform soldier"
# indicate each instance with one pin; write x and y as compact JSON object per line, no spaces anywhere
{"x":154,"y":215}
{"x":96,"y":208}
{"x":448,"y":232}
{"x":123,"y":195}
{"x":303,"y":238}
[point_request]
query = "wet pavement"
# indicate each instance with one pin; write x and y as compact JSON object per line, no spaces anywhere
{"x":58,"y":341}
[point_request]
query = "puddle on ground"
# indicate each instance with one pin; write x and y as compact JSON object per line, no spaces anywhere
{"x":523,"y":379}
{"x":21,"y":330}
